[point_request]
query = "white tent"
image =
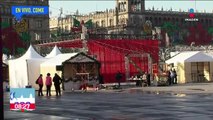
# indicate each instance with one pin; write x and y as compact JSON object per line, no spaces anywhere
{"x":49,"y":66}
{"x":190,"y":56}
{"x":54,"y":52}
{"x":25,"y":70}
{"x":190,"y":65}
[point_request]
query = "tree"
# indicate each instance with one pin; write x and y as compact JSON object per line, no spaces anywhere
{"x":169,"y":28}
{"x":172,"y":31}
{"x":13,"y":43}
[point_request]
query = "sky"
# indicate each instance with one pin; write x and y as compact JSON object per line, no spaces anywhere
{"x":86,"y":6}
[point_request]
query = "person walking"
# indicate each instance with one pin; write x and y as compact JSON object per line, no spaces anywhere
{"x":175,"y":76}
{"x":172,"y":75}
{"x":40,"y":83}
{"x":118,"y":78}
{"x":144,"y":79}
{"x":57,"y":81}
{"x":169,"y":77}
{"x":148,"y":79}
{"x":48,"y":84}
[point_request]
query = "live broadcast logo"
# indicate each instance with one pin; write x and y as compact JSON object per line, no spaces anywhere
{"x":22,"y":99}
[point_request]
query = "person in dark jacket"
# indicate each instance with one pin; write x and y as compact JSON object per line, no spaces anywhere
{"x":148,"y":79}
{"x":57,"y":81}
{"x":169,"y":77}
{"x":118,"y":77}
{"x":100,"y":78}
{"x":40,"y":83}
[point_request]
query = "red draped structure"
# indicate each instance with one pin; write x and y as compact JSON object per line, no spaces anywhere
{"x":112,"y":54}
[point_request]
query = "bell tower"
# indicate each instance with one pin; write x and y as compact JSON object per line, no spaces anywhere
{"x":130,"y":5}
{"x":136,"y":5}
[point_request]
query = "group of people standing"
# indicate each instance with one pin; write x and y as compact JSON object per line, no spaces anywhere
{"x":48,"y":82}
{"x":172,"y":77}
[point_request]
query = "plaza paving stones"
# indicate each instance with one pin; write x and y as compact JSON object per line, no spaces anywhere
{"x":118,"y":106}
{"x":126,"y":104}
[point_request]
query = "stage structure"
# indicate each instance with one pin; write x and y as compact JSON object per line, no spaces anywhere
{"x":129,"y":54}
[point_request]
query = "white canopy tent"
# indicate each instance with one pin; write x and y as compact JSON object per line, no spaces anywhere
{"x":54,"y":52}
{"x":49,"y":66}
{"x":190,"y":65}
{"x":5,"y":59}
{"x":191,"y":56}
{"x":25,"y":70}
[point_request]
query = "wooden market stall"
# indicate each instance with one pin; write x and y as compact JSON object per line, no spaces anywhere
{"x":79,"y":70}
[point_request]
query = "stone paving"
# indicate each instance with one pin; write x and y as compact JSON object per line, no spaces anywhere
{"x":125,"y":104}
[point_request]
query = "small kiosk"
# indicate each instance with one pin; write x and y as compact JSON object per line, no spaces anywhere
{"x":80,"y":71}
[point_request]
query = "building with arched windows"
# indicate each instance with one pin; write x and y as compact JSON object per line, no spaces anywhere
{"x":129,"y":16}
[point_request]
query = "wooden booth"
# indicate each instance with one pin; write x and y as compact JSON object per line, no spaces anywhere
{"x":79,"y":71}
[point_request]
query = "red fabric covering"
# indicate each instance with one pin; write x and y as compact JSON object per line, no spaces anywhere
{"x":111,"y":54}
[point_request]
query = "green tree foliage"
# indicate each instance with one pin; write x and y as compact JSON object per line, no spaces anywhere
{"x":5,"y":50}
{"x":170,"y":28}
{"x":5,"y":25}
{"x":25,"y":37}
{"x":21,"y":50}
{"x":210,"y":30}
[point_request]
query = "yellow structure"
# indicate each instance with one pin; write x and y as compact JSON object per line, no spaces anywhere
{"x":193,"y":66}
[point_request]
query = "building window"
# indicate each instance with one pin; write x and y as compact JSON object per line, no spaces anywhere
{"x":66,"y":29}
{"x":37,"y":36}
{"x":39,"y":24}
{"x":97,"y":24}
{"x":102,"y":23}
{"x":110,"y":22}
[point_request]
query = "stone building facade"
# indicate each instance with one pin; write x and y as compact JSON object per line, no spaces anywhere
{"x":129,"y":16}
{"x":37,"y":25}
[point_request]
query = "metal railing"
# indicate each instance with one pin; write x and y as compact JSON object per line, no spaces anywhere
{"x":92,"y":37}
{"x":58,"y":39}
{"x":118,"y":36}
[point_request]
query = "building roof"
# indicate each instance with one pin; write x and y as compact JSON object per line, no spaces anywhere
{"x":81,"y":58}
{"x":191,"y":56}
{"x":55,"y":51}
{"x":58,"y":59}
